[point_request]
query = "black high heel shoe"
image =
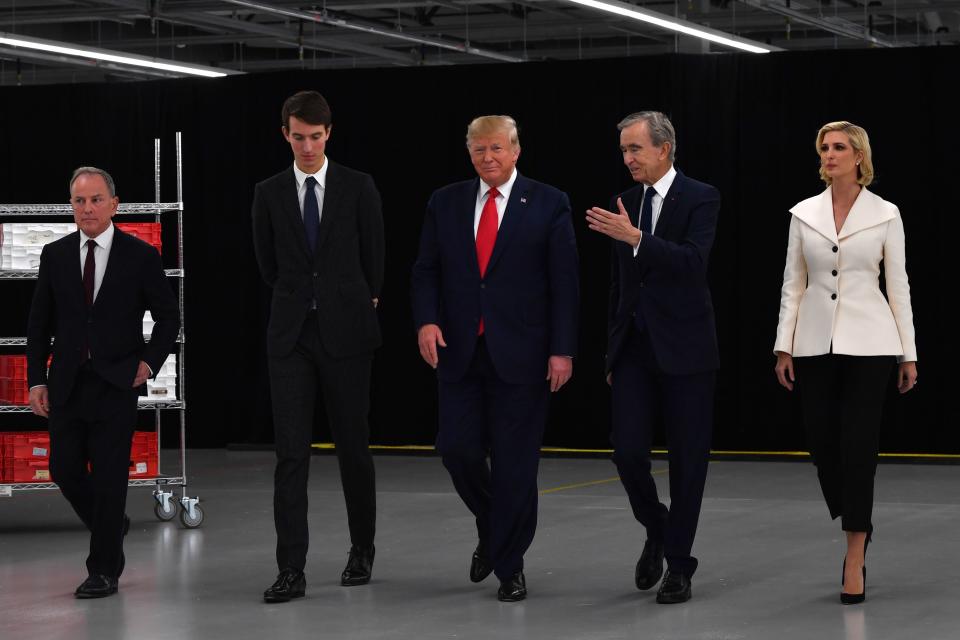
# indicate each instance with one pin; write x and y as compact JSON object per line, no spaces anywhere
{"x":855,"y":598}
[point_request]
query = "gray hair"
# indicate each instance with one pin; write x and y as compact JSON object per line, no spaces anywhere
{"x":82,"y":171}
{"x":658,"y":124}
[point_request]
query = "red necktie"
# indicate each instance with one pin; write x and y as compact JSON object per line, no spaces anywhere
{"x":487,"y":235}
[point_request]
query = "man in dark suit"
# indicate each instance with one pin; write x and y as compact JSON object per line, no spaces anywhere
{"x":92,"y":290}
{"x":318,"y":236}
{"x":662,"y":352}
{"x":495,"y":301}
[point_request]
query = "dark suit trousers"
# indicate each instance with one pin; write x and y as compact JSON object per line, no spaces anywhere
{"x":842,"y":402}
{"x":95,"y":424}
{"x":642,"y":395}
{"x":482,"y":415}
{"x":295,"y":380}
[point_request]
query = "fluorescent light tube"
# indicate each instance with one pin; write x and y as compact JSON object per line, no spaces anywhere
{"x":132,"y":60}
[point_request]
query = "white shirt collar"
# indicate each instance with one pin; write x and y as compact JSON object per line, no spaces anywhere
{"x":104,"y":240}
{"x":662,"y":186}
{"x":320,"y":176}
{"x":504,"y":189}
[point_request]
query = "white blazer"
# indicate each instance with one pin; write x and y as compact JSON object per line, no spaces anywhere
{"x":831,"y":291}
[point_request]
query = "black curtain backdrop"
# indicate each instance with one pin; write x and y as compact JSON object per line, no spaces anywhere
{"x":746,"y":124}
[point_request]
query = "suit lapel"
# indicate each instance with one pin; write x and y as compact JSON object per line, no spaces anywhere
{"x":670,"y":203}
{"x":290,"y":206}
{"x":867,"y":211}
{"x":465,"y":230}
{"x":71,"y":257}
{"x":817,"y":213}
{"x":512,"y":217}
{"x":332,"y":194}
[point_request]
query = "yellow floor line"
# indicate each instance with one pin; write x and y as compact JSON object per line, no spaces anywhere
{"x":580,"y":485}
{"x":328,"y":446}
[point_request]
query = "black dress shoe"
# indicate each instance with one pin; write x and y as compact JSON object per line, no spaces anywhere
{"x":514,"y":589}
{"x":96,"y":586}
{"x":650,"y":565}
{"x":359,"y":566}
{"x":674,"y":589}
{"x":480,"y":567}
{"x":290,"y":584}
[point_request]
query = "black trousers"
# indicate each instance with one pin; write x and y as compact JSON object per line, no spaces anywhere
{"x":841,"y":398}
{"x":96,"y":424}
{"x":295,"y":381}
{"x":481,"y":416}
{"x":642,"y":395}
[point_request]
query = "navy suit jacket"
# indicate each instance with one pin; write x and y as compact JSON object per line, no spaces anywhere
{"x":667,"y":280}
{"x":529,"y":296}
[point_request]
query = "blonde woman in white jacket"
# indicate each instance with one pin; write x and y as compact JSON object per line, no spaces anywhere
{"x":838,"y":337}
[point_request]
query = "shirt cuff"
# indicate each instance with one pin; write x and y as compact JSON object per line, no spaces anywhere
{"x":37,"y":386}
{"x":637,"y":248}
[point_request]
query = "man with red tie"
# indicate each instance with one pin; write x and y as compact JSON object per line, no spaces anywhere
{"x":495,"y":296}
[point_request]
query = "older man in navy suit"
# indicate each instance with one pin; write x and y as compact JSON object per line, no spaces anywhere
{"x":662,"y":352}
{"x":495,"y":300}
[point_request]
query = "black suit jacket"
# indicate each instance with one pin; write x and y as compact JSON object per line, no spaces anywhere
{"x":529,"y":296}
{"x":344,"y":273}
{"x":112,"y":328}
{"x":667,"y":280}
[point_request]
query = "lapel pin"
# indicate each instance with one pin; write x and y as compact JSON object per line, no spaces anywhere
{"x":523,"y":199}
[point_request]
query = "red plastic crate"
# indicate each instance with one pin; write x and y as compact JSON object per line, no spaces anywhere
{"x":15,"y":470}
{"x":14,"y":367}
{"x":14,"y":391}
{"x":25,"y":445}
{"x":149,"y":232}
{"x":144,"y":455}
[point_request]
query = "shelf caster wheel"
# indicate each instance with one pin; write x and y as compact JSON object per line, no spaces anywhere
{"x":166,"y":507}
{"x":191,"y":515}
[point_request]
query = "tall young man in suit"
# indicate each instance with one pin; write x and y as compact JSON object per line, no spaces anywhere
{"x":495,"y":301}
{"x":318,"y":237}
{"x":662,"y":352}
{"x":92,"y":290}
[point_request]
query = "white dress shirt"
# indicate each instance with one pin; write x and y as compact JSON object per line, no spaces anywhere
{"x":101,"y":255}
{"x":501,"y":201}
{"x":660,"y":189}
{"x":321,"y":186}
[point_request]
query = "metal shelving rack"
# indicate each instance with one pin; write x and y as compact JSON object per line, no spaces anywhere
{"x":167,"y":503}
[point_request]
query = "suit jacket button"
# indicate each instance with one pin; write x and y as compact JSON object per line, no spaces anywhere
{"x":836,"y":248}
{"x":483,"y":285}
{"x":834,"y":272}
{"x":642,"y":285}
{"x":316,"y":275}
{"x":833,"y":296}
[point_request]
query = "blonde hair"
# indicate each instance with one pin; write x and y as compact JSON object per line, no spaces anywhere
{"x":487,"y":125}
{"x":859,"y":140}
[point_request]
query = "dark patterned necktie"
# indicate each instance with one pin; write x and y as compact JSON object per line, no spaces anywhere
{"x":311,"y":214}
{"x":89,"y":272}
{"x":646,"y":211}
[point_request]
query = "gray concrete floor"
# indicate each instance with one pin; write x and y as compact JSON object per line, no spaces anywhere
{"x":770,"y":561}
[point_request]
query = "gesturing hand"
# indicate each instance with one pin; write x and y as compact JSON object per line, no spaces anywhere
{"x":615,"y":225}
